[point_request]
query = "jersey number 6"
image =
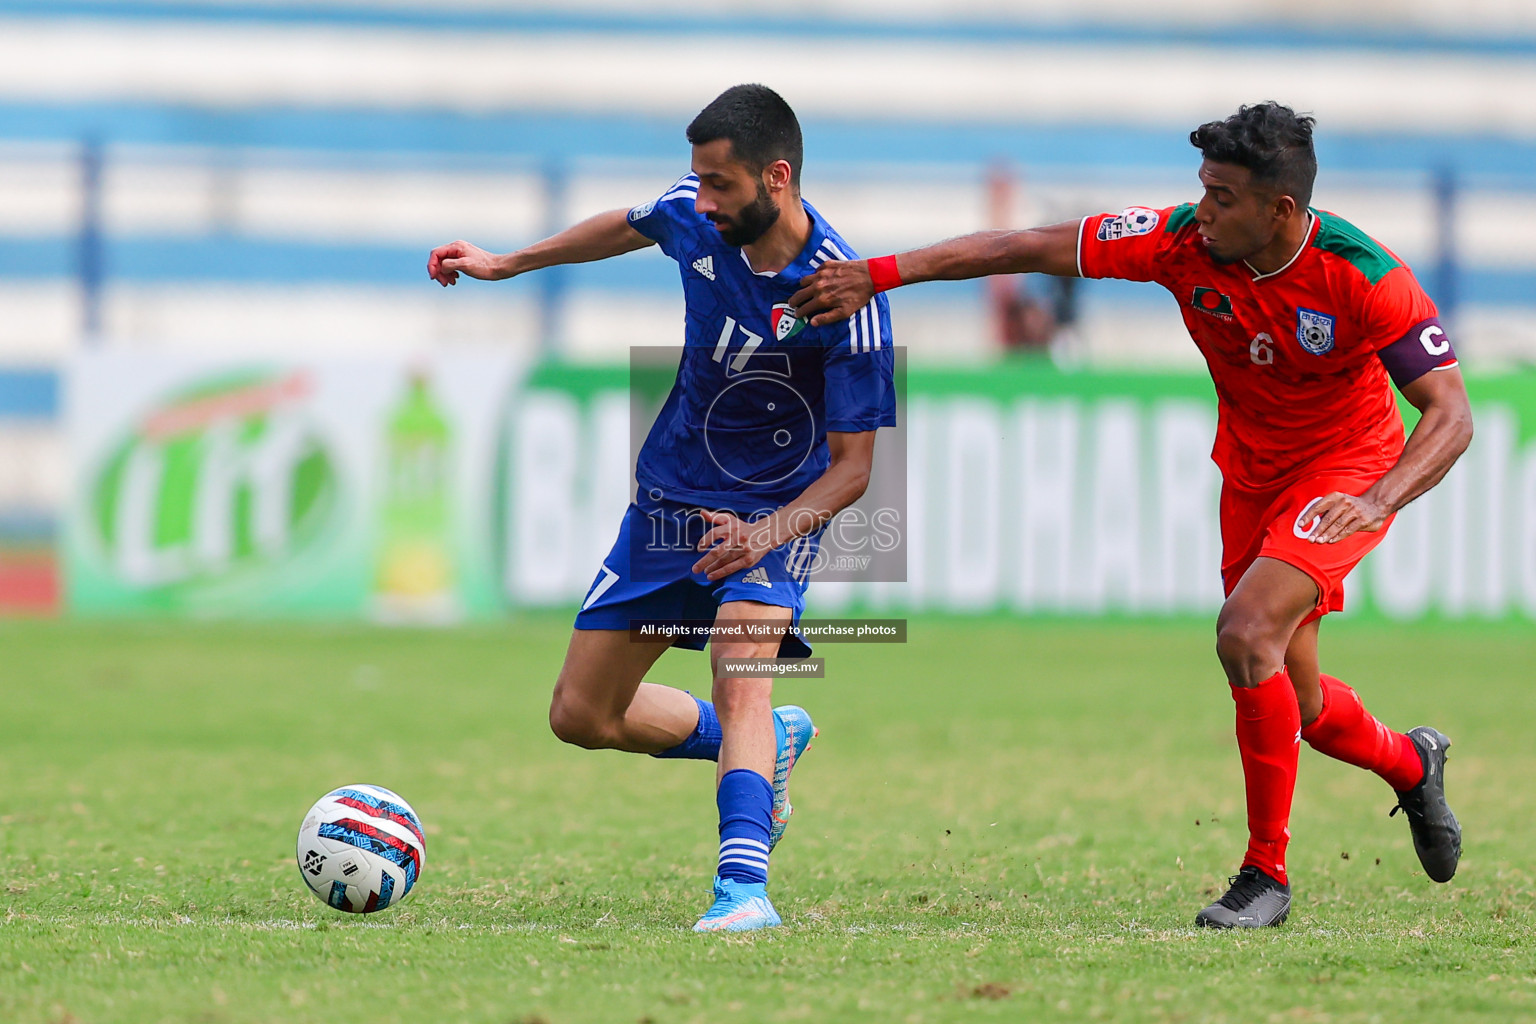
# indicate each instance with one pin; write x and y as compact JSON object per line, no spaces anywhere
{"x":1261,"y":350}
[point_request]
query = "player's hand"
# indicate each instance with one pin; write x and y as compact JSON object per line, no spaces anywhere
{"x":1338,"y":515}
{"x":731,"y":545}
{"x":835,"y":292}
{"x":447,"y":262}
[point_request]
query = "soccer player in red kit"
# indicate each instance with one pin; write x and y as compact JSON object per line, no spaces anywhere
{"x":1305,"y":323}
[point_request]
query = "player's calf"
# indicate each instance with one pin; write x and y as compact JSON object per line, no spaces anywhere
{"x":745,"y":710}
{"x":1344,"y":730}
{"x":744,"y":702}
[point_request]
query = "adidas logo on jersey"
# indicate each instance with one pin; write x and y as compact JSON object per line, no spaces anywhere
{"x":705,"y":266}
{"x":758,"y":576}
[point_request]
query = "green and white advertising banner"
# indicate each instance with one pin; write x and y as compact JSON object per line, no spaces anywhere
{"x":1035,"y":491}
{"x":219,"y":486}
{"x":466,"y":485}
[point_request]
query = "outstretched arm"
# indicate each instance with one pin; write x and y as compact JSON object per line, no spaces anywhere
{"x":1443,"y":432}
{"x":596,"y":238}
{"x":839,"y":289}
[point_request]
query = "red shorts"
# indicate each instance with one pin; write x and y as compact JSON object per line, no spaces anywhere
{"x":1272,"y":524}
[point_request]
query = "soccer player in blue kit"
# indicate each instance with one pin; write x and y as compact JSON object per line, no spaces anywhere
{"x":768,"y":432}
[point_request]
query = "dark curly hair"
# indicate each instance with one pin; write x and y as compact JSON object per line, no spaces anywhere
{"x":1271,"y":140}
{"x":761,"y":126}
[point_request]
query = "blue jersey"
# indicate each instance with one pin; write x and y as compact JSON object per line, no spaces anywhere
{"x":745,"y":425}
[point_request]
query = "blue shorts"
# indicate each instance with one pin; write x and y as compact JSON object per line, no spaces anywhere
{"x":648,"y":577}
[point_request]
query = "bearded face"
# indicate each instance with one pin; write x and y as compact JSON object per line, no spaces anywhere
{"x":749,"y":223}
{"x":735,"y":195}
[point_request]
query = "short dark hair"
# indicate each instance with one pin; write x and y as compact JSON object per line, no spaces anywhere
{"x":759,"y":124}
{"x":1271,"y":140}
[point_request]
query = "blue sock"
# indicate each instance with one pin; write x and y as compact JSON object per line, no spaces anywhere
{"x":703,"y":744}
{"x":746,"y":807}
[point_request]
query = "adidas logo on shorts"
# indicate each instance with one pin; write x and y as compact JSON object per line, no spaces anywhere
{"x":758,"y":576}
{"x":705,"y":266}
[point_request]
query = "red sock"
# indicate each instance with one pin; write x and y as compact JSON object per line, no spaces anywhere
{"x":1268,"y":721}
{"x":1347,"y":731}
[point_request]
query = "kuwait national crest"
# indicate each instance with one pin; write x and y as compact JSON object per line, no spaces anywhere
{"x":785,"y":324}
{"x":1314,"y":331}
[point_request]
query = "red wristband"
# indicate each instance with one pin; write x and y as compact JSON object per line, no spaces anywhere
{"x":883,"y":274}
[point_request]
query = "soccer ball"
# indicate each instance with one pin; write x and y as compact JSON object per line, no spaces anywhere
{"x":1139,"y":220}
{"x":361,"y":849}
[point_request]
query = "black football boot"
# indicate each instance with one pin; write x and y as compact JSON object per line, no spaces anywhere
{"x":1436,"y":835}
{"x":1254,"y":901}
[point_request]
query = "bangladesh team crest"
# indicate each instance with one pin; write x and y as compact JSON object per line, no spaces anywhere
{"x":784,"y":322}
{"x":1314,"y":331}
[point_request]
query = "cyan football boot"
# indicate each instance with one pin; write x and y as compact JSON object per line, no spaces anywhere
{"x":793,"y":731}
{"x":738,"y":907}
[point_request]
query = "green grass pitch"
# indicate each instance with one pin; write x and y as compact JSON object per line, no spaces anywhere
{"x":999,"y":821}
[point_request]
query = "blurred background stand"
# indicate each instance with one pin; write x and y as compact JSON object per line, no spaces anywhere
{"x":262,"y":181}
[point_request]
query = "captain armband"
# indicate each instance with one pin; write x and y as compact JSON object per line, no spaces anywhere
{"x":1425,"y":347}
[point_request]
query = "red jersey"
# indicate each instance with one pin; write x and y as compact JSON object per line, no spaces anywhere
{"x":1300,"y":356}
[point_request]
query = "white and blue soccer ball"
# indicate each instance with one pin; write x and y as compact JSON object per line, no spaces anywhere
{"x":361,"y":849}
{"x":1138,"y":220}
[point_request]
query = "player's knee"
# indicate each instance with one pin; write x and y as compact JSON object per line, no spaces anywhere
{"x":1247,"y":650}
{"x":736,"y":695}
{"x":740,"y":698}
{"x":571,"y":723}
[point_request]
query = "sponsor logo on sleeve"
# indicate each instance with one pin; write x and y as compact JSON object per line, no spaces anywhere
{"x":642,"y":211}
{"x":1211,"y":301}
{"x":1132,"y":221}
{"x":1314,"y":331}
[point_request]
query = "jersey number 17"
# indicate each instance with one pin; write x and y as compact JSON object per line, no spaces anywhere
{"x":726,"y":333}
